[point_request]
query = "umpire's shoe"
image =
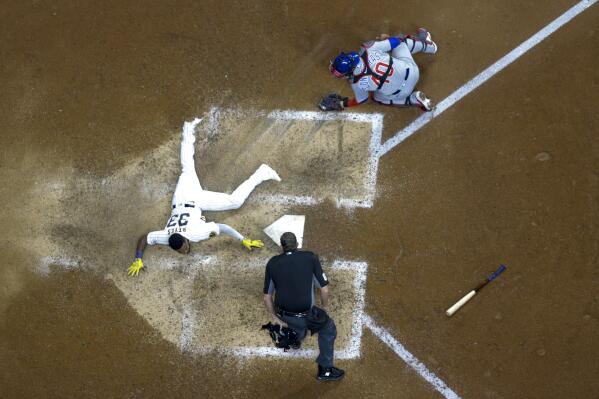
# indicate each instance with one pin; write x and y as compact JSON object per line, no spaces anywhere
{"x":329,"y":373}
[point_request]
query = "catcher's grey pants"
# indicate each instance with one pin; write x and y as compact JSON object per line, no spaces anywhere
{"x":403,"y":60}
{"x":326,"y":338}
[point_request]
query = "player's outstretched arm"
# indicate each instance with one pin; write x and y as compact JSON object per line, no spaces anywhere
{"x":246,"y":242}
{"x":352,"y":102}
{"x":361,"y":96}
{"x":138,"y":264}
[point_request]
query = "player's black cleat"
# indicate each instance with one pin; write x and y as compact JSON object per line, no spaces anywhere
{"x":329,"y":373}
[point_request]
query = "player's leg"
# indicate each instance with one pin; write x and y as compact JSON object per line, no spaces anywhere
{"x":421,"y":42}
{"x":188,"y":184}
{"x":212,"y":201}
{"x":415,"y":99}
{"x":410,"y":70}
{"x":326,"y":344}
{"x":402,"y":52}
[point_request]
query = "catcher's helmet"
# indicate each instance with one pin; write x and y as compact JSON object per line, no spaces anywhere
{"x":344,"y":64}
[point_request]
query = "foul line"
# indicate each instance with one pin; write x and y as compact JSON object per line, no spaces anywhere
{"x":484,"y":76}
{"x":410,"y":359}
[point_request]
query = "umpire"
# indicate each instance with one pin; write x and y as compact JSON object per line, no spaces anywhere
{"x":292,"y":275}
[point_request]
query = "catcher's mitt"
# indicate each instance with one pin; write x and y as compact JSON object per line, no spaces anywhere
{"x":332,"y":102}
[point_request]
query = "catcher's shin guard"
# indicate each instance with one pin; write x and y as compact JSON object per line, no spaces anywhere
{"x":421,"y":42}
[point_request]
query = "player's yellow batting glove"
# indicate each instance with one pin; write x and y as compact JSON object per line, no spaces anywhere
{"x":249,"y":244}
{"x":135,"y":267}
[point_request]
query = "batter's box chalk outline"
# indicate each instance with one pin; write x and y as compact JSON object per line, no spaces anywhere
{"x":397,"y":347}
{"x":374,"y":148}
{"x":351,"y":351}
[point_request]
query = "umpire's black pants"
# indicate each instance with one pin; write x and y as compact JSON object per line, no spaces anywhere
{"x":326,"y":337}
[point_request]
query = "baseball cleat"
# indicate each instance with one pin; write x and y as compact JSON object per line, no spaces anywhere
{"x":425,"y":103}
{"x":268,"y":173}
{"x":425,"y":36}
{"x":329,"y":373}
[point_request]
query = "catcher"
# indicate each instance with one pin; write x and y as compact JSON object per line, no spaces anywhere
{"x":386,"y":69}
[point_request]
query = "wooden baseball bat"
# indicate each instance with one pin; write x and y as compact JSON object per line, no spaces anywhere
{"x":479,"y":287}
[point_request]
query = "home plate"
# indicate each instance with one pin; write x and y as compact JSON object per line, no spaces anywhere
{"x":287,"y":223}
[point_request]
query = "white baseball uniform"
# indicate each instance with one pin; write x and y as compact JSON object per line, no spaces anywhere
{"x":190,"y":199}
{"x":403,"y":73}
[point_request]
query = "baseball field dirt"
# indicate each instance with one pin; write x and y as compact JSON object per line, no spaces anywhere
{"x":94,"y":97}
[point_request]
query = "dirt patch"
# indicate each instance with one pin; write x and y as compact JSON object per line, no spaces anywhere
{"x":219,"y":287}
{"x":315,"y":158}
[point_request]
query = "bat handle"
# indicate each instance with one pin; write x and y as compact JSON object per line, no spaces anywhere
{"x":497,"y":273}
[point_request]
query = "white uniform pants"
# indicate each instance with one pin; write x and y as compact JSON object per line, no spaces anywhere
{"x":189,"y":188}
{"x":403,"y":59}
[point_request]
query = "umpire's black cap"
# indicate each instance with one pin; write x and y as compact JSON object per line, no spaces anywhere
{"x":288,"y":241}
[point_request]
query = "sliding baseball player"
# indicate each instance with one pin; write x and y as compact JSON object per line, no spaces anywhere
{"x":186,"y":223}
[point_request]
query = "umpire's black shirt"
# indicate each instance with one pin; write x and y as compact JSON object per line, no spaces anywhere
{"x":291,"y":275}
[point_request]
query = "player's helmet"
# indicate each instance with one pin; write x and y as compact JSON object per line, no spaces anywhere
{"x":343,"y":65}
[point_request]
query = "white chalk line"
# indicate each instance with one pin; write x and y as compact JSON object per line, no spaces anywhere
{"x":351,"y":351}
{"x":213,"y":123}
{"x":373,"y":162}
{"x":359,"y":320}
{"x":213,"y":119}
{"x":376,"y":122}
{"x":282,"y":199}
{"x":383,"y":334}
{"x":377,"y":150}
{"x":188,"y":323}
{"x":325,"y":116}
{"x":430,"y":377}
{"x":65,"y":263}
{"x":484,"y":76}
